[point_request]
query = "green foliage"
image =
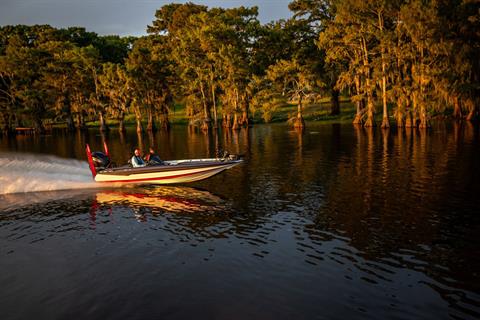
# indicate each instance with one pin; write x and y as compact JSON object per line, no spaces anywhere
{"x":151,"y":74}
{"x":405,"y":52}
{"x":419,"y":56}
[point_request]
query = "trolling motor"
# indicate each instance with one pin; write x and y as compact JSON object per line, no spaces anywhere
{"x":225,"y":155}
{"x":98,"y":160}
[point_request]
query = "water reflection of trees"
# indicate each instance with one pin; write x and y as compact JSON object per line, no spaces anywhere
{"x":393,"y":201}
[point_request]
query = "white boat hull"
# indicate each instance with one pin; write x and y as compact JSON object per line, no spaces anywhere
{"x":178,"y":171}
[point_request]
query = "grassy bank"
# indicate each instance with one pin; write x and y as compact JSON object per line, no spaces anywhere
{"x":311,"y":112}
{"x":319,"y":111}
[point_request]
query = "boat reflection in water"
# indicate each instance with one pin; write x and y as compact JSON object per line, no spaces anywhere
{"x":153,"y":200}
{"x":158,"y":200}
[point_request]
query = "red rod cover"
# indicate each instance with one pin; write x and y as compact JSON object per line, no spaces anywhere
{"x":105,"y":148}
{"x":90,"y":162}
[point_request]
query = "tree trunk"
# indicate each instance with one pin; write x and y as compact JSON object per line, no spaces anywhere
{"x":103,"y":124}
{"x":139,"y":125}
{"x":164,"y":123}
{"x":214,"y":99}
{"x":370,"y":122}
{"x":244,"y":120}
{"x":66,"y":105}
{"x":206,"y":124}
{"x":385,"y":121}
{"x":16,"y":121}
{"x":358,"y":116}
{"x":370,"y":105}
{"x":414,"y":112}
{"x":410,"y":120}
{"x":121,"y":125}
{"x":400,"y":113}
{"x":360,"y":104}
{"x":235,"y":125}
{"x":151,"y":122}
{"x":80,"y":122}
{"x":471,"y":116}
{"x":457,"y":109}
{"x":6,"y":123}
{"x":121,"y":122}
{"x":9,"y":124}
{"x":140,"y":141}
{"x":70,"y":123}
{"x":473,"y":113}
{"x":38,"y":125}
{"x":400,"y":119}
{"x":299,"y":122}
{"x":206,"y":111}
{"x":224,"y":120}
{"x":228,"y":121}
{"x":335,"y":102}
{"x":424,"y":123}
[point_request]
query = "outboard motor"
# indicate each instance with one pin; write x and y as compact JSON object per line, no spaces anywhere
{"x":100,"y":160}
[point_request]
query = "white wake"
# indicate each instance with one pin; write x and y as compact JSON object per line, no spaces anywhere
{"x":29,"y":173}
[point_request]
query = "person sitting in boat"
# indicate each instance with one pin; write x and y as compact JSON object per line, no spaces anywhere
{"x":152,"y":158}
{"x":137,"y":160}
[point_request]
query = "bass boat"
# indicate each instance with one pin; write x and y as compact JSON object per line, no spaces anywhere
{"x":169,"y":172}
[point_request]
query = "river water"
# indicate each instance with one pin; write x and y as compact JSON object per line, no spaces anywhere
{"x":332,"y":223}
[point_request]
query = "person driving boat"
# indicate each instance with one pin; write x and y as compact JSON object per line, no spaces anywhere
{"x":137,"y":160}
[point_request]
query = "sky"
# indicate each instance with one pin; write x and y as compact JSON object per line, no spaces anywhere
{"x":121,"y":17}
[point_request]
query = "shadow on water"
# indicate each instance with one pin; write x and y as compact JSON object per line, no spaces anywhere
{"x":335,"y":220}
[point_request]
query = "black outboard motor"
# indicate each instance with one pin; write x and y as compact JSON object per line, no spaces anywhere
{"x":100,"y":160}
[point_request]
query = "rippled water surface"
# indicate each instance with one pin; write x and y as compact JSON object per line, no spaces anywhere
{"x":332,"y":223}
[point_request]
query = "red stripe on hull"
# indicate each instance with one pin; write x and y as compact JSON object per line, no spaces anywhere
{"x":161,"y":178}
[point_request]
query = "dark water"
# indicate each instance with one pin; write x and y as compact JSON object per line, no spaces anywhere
{"x":334,"y":223}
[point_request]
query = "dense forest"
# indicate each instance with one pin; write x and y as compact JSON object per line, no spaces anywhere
{"x":403,"y":62}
